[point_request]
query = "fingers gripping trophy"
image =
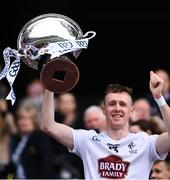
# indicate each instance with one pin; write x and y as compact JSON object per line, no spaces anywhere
{"x":48,"y":43}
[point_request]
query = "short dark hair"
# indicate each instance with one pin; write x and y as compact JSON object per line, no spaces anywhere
{"x":143,"y":124}
{"x":166,"y":160}
{"x":117,"y":88}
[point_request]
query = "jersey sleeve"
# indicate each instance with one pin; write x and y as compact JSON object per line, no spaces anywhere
{"x":79,"y":140}
{"x":153,"y":152}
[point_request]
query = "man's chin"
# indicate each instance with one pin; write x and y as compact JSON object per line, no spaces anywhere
{"x":117,"y":126}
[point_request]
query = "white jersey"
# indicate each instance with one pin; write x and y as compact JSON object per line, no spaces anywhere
{"x":130,"y":158}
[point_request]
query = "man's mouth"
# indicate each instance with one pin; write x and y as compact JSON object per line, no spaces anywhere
{"x":117,"y":115}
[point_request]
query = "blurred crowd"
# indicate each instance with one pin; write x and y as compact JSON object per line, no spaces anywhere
{"x":27,"y":153}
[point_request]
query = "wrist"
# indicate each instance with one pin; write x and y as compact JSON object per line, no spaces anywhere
{"x":160,"y":101}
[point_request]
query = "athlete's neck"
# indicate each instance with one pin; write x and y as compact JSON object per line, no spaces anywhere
{"x":117,"y":134}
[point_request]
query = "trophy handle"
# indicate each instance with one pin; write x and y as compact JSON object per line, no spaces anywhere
{"x":59,"y":75}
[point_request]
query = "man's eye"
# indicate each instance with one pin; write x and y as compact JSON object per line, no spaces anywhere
{"x":122,"y":104}
{"x":157,"y":171}
{"x":112,"y":104}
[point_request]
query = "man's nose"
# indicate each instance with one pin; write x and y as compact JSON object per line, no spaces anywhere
{"x":153,"y":175}
{"x":117,"y":107}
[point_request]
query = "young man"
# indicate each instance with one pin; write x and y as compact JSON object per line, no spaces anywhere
{"x":161,"y":169}
{"x":115,"y":153}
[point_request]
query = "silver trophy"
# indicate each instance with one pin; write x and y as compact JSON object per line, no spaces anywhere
{"x":58,"y":72}
{"x":49,"y":43}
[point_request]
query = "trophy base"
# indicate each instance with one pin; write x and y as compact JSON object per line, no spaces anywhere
{"x":59,"y":75}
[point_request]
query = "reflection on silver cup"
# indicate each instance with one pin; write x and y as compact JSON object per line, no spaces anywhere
{"x":44,"y":30}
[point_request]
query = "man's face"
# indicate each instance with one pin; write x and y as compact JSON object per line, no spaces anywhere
{"x":66,"y":103}
{"x":160,"y":171}
{"x":117,"y":108}
{"x":142,"y":110}
{"x":95,"y":120}
{"x":25,"y":123}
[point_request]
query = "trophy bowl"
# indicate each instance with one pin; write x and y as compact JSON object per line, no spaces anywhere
{"x":48,"y":43}
{"x":58,"y":73}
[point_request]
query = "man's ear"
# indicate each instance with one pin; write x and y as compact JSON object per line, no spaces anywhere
{"x":103,"y":109}
{"x":132,"y":110}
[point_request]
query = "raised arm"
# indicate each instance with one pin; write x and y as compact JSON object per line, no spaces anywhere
{"x":60,"y":132}
{"x":156,"y":86}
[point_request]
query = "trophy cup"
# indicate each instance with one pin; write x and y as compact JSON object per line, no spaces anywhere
{"x":48,"y":43}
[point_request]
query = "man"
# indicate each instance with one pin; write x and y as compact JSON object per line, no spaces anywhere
{"x":114,"y":153}
{"x":94,"y":118}
{"x":66,"y":109}
{"x":141,"y":126}
{"x":161,"y":170}
{"x":142,"y":110}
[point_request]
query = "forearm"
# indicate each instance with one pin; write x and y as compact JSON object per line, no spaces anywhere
{"x":60,"y":132}
{"x":163,"y":141}
{"x":47,"y":112}
{"x":165,"y":111}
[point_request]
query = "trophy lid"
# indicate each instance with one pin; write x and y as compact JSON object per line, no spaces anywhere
{"x":45,"y":29}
